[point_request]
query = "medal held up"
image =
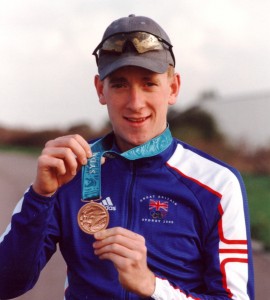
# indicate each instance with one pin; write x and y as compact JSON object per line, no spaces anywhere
{"x":93,"y":216}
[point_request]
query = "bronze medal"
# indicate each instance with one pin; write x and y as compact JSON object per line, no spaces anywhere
{"x":93,"y":217}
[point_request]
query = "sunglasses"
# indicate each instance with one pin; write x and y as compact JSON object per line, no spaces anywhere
{"x":142,"y":41}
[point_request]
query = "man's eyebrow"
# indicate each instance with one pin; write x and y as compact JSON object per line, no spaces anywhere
{"x":117,"y":79}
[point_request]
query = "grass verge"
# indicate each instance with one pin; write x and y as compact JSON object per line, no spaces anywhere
{"x":258,"y":190}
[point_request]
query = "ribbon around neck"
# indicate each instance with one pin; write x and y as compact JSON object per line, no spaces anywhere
{"x":91,"y":172}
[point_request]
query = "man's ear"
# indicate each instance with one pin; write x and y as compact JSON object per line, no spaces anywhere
{"x":99,"y":84}
{"x":175,"y":87}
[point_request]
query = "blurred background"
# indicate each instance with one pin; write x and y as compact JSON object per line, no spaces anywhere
{"x":222,"y":54}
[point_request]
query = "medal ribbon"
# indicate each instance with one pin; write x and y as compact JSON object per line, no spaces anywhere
{"x":91,"y":172}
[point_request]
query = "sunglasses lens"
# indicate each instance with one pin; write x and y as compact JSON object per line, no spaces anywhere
{"x":144,"y":42}
{"x":114,"y":43}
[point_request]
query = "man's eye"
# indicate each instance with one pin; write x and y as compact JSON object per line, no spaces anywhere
{"x":150,"y":83}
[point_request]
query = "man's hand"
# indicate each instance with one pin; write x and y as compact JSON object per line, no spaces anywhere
{"x":59,"y":162}
{"x":128,"y":252}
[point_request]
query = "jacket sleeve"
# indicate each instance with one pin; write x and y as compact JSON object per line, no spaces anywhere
{"x":27,"y":244}
{"x":232,"y":261}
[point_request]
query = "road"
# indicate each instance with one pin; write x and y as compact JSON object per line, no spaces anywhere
{"x":16,"y":174}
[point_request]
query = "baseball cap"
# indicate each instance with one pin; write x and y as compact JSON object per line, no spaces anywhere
{"x":143,"y":43}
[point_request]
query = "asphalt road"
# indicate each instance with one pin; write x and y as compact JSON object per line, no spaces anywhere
{"x":16,"y":174}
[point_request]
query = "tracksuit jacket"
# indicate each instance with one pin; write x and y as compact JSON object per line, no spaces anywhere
{"x":191,"y":208}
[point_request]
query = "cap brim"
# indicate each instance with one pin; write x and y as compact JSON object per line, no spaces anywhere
{"x":151,"y":61}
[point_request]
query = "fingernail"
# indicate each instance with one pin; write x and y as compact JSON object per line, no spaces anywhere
{"x":97,"y":235}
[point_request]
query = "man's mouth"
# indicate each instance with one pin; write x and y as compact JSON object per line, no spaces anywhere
{"x":136,"y":120}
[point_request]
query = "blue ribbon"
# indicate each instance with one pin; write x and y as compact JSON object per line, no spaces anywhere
{"x":91,"y":172}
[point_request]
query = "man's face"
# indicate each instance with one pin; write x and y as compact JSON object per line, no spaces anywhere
{"x":137,"y":101}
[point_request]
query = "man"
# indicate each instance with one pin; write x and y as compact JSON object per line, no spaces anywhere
{"x":177,"y":218}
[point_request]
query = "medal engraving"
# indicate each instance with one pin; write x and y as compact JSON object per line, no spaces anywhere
{"x":93,"y":217}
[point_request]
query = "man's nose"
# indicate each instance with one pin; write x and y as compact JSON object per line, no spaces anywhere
{"x":136,"y":99}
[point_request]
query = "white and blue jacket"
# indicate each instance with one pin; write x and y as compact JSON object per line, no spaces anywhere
{"x":191,"y":208}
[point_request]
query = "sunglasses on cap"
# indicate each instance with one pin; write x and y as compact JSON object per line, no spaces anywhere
{"x":142,"y":41}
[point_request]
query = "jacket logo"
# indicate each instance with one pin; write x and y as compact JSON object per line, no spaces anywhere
{"x":107,"y":202}
{"x":155,"y":209}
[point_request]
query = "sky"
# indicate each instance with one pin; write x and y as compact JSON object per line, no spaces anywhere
{"x":47,"y":67}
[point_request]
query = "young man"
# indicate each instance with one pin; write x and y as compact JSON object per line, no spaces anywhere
{"x":177,"y":218}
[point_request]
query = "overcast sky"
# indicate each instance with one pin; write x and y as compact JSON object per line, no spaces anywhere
{"x":47,"y":70}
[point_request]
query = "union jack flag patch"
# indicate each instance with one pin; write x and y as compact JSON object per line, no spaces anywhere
{"x":158,"y":209}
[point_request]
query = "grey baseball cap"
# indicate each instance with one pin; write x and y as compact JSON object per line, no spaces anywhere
{"x":156,"y":60}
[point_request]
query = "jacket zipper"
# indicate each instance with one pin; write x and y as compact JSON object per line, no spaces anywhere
{"x":130,"y":195}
